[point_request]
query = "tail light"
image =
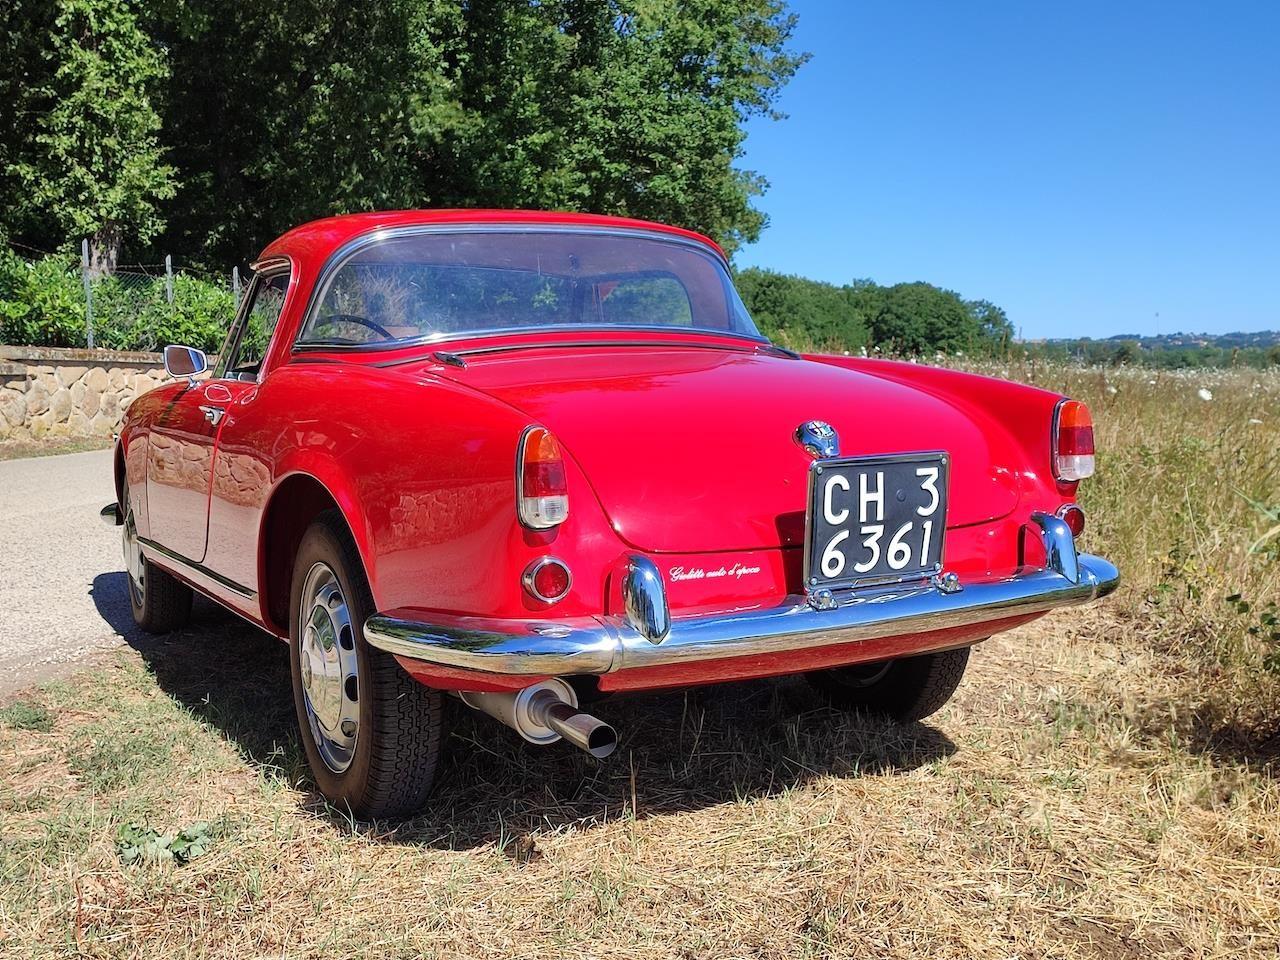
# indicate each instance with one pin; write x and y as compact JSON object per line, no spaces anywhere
{"x":542,"y":491}
{"x":1072,"y":441}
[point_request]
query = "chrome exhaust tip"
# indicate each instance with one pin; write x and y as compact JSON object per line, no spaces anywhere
{"x":544,"y":713}
{"x":581,"y":729}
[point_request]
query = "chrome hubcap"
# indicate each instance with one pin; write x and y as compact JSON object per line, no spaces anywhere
{"x":327,"y":660}
{"x":134,"y":563}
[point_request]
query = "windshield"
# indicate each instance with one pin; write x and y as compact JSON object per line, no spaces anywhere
{"x":416,"y":286}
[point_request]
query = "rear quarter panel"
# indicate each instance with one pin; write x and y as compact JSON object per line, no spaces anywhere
{"x":423,"y":471}
{"x":1022,"y":412}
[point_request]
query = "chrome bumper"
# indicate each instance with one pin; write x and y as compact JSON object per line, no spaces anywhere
{"x":647,"y":637}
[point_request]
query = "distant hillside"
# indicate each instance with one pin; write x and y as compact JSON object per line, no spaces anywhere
{"x":1223,"y":341}
{"x":1258,"y":349}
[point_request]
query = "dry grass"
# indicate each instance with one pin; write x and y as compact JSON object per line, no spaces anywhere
{"x":1174,"y":506}
{"x":1099,"y":786}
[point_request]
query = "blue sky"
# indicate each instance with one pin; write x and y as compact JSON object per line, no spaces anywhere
{"x":1086,"y":166}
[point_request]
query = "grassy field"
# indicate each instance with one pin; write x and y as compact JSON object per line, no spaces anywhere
{"x":1103,"y":784}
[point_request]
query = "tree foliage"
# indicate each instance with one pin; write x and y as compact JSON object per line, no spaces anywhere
{"x":302,"y":108}
{"x":801,"y":312}
{"x":222,"y":128}
{"x":907,"y":318}
{"x":84,"y":155}
{"x":1170,"y":352}
{"x":210,"y":130}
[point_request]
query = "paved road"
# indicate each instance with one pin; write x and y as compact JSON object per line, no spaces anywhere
{"x":62,"y":586}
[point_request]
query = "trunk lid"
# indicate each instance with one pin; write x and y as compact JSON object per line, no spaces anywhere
{"x":692,"y":449}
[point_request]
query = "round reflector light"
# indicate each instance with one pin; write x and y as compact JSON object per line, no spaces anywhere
{"x":1073,"y":517}
{"x":547,"y":579}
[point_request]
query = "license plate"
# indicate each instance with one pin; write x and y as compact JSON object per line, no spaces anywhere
{"x":875,"y":519}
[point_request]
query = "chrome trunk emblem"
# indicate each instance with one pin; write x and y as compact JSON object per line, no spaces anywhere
{"x":819,"y":439}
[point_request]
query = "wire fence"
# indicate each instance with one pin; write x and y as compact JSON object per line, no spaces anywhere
{"x":53,"y":299}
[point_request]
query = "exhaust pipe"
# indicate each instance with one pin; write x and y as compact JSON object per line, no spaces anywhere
{"x":544,"y":713}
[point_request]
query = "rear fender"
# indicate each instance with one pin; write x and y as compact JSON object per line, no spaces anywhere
{"x":341,"y":489}
{"x":1022,"y":412}
{"x":423,"y":472}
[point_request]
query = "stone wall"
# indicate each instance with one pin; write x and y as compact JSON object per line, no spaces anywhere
{"x":46,"y":391}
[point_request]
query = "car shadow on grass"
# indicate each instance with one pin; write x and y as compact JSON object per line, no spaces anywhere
{"x":1227,"y":738}
{"x":678,"y":751}
{"x":227,"y":672}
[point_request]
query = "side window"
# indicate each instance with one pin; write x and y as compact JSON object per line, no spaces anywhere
{"x":645,"y":300}
{"x":246,"y":356}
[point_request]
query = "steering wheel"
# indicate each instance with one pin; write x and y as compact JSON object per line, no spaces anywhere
{"x":359,"y":321}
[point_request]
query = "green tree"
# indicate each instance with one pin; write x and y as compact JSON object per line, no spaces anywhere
{"x":633,"y":108}
{"x":1126,"y":352}
{"x":801,"y":312}
{"x":84,"y":158}
{"x":909,"y":318}
{"x":916,"y":318}
{"x":298,"y":109}
{"x":993,"y":324}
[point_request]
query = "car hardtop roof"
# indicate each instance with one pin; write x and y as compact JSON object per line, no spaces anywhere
{"x":313,"y":242}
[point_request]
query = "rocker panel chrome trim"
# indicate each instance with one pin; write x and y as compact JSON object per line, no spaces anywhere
{"x":191,"y":569}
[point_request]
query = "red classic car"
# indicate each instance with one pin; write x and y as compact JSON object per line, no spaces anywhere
{"x":528,"y":459}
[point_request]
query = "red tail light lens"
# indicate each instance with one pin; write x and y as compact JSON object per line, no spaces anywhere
{"x":542,"y":489}
{"x":1072,"y":441}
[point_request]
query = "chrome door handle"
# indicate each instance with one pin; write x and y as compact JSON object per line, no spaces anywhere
{"x":214,"y":414}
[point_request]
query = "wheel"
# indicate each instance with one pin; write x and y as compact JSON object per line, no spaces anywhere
{"x":160,"y":601}
{"x":371,"y":733}
{"x":910,"y":688}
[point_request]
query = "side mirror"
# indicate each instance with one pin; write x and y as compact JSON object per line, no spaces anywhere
{"x":184,"y":362}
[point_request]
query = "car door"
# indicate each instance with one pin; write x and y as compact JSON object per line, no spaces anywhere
{"x":181,"y":447}
{"x":242,"y":469}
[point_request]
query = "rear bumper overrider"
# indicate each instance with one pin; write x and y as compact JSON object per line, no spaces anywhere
{"x":646,"y":636}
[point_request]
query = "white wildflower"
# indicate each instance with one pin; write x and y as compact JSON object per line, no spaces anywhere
{"x":1204,"y":393}
{"x":1112,"y":389}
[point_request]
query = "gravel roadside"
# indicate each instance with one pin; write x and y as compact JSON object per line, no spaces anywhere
{"x":61,"y":578}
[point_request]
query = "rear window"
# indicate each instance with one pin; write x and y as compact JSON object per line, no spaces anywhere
{"x":429,"y":285}
{"x":645,"y":299}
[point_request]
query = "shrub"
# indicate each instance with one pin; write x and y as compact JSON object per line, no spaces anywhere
{"x":42,"y":304}
{"x":130,"y":316}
